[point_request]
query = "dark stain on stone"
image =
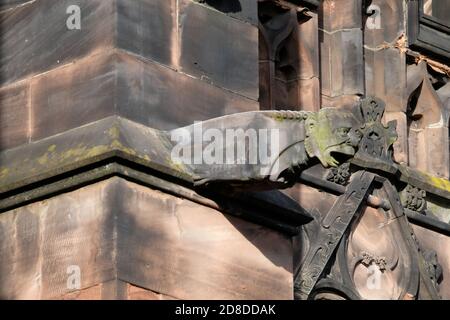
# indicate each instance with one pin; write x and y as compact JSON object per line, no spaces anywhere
{"x":226,"y":6}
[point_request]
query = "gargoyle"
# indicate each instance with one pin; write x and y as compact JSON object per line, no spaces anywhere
{"x":266,"y":149}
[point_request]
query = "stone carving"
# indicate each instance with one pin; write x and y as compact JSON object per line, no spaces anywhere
{"x":339,"y":175}
{"x":331,"y":132}
{"x":381,"y":238}
{"x":377,"y":139}
{"x":329,"y":135}
{"x":332,"y":229}
{"x":413,"y":198}
{"x":368,"y":259}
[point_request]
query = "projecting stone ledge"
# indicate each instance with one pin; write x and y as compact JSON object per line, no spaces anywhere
{"x":116,"y":146}
{"x":113,"y":143}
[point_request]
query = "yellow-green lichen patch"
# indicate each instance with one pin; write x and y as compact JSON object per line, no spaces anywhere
{"x":117,"y":145}
{"x":429,"y":180}
{"x":114,"y":132}
{"x":177,"y":166}
{"x":80,"y":152}
{"x":4,"y":172}
{"x":43,"y":159}
{"x":439,"y":182}
{"x":279,"y":117}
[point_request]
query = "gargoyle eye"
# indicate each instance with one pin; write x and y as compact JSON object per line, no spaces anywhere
{"x":344,"y":131}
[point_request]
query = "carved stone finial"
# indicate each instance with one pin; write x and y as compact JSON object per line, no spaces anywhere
{"x":377,"y":139}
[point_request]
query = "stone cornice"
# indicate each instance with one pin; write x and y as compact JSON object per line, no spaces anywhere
{"x":115,"y":146}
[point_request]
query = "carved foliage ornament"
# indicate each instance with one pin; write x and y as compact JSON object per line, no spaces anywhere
{"x":339,"y":175}
{"x":413,"y":198}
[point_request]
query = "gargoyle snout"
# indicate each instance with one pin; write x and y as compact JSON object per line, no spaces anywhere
{"x":354,"y":137}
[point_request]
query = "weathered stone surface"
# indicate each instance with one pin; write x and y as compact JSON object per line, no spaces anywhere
{"x":92,"y":293}
{"x":295,"y":83}
{"x":114,"y":290}
{"x":35,"y":37}
{"x":381,"y":242}
{"x":230,"y":62}
{"x":401,"y":145}
{"x":308,"y":48}
{"x":80,"y":84}
{"x":43,"y":240}
{"x":314,"y":201}
{"x":14,"y":115}
{"x":148,"y":28}
{"x":136,"y":293}
{"x":181,"y":249}
{"x":164,"y":99}
{"x":159,"y":242}
{"x":118,"y":83}
{"x":341,"y":50}
{"x":69,"y":97}
{"x":430,"y":240}
{"x":340,"y":14}
{"x":385,"y":77}
{"x":299,"y":94}
{"x":309,"y":94}
{"x":8,"y":4}
{"x":428,"y":122}
{"x":246,"y":10}
{"x":345,"y":101}
{"x":386,"y":25}
{"x":84,"y":146}
{"x":437,"y":151}
{"x":342,"y":65}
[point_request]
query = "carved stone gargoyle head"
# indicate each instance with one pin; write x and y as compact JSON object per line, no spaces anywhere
{"x":330,"y":134}
{"x":241,"y":154}
{"x":333,"y":133}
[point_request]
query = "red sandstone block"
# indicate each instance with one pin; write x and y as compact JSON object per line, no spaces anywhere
{"x":342,"y":62}
{"x":35,"y":37}
{"x":187,"y":251}
{"x":118,"y":232}
{"x":389,"y":27}
{"x":165,"y":99}
{"x":386,"y":77}
{"x":72,"y":96}
{"x":218,"y":49}
{"x":119,"y":83}
{"x":340,"y":14}
{"x":14,"y":116}
{"x":148,"y":28}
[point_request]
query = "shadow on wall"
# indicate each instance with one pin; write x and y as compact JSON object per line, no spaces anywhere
{"x":226,"y":6}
